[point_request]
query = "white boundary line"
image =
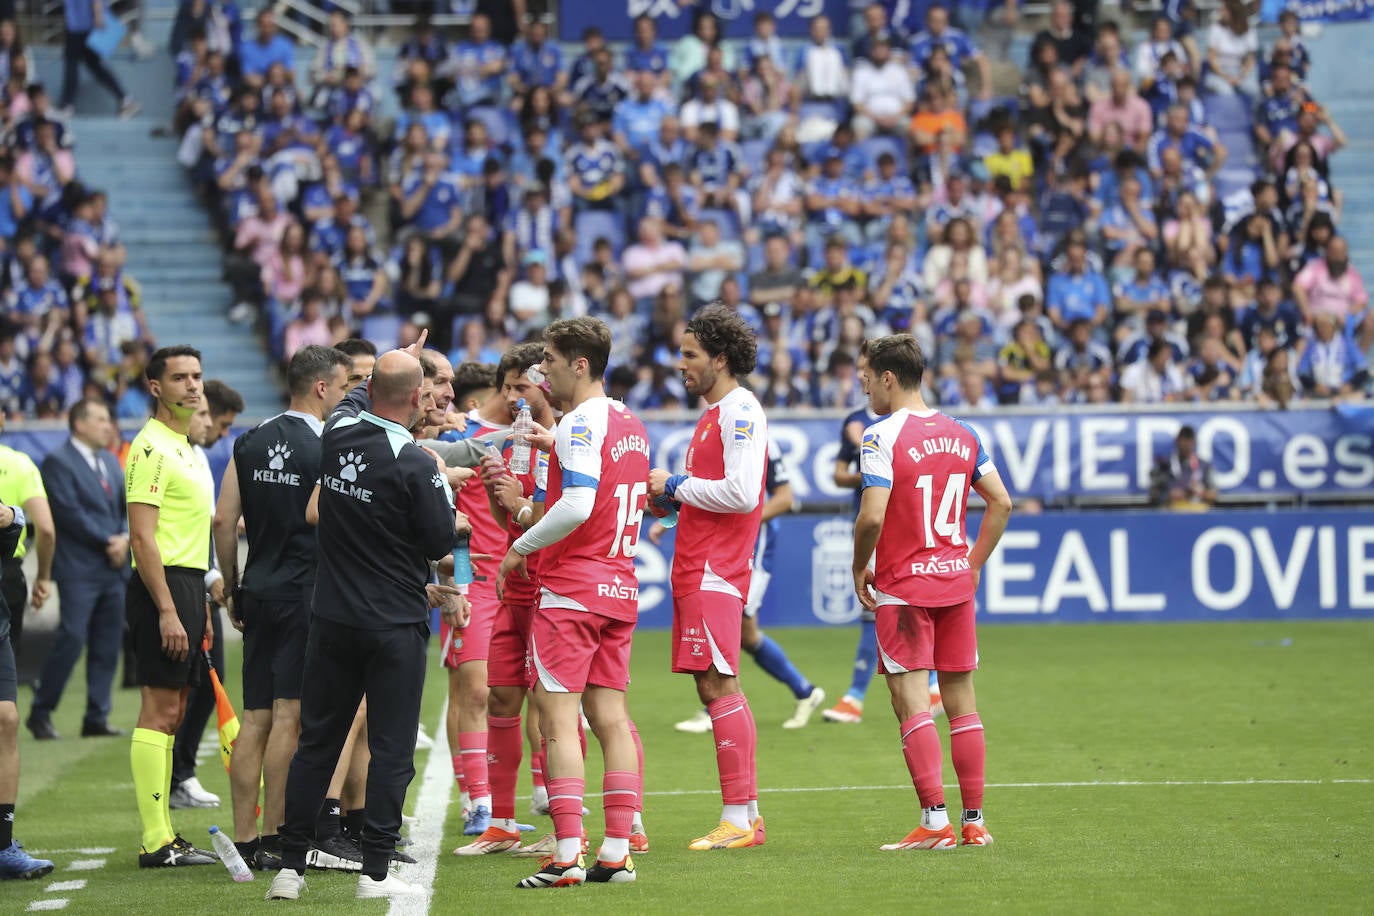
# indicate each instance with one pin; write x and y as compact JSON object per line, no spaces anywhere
{"x":1105,"y":784}
{"x":427,"y":834}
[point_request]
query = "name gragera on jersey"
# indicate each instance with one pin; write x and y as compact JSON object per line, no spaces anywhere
{"x":629,"y":444}
{"x":939,"y":445}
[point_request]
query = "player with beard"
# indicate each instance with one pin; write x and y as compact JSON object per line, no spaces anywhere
{"x":720,"y":500}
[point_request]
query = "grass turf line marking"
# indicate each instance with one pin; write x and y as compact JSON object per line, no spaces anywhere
{"x":1122,"y":783}
{"x":86,"y":864}
{"x":427,"y":835}
{"x":59,"y":887}
{"x":85,"y":851}
{"x":57,"y":903}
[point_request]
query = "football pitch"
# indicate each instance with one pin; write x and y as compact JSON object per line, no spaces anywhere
{"x":1131,"y":768}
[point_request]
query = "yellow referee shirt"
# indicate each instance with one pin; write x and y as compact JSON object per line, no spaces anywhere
{"x":20,"y":481}
{"x":163,"y":471}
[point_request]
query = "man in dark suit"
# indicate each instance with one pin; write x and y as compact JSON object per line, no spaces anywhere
{"x":91,"y":566}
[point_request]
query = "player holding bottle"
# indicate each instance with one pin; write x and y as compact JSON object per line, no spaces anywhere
{"x":918,"y":466}
{"x":589,"y":597}
{"x":721,"y":499}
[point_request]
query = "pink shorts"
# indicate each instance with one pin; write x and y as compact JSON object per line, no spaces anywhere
{"x":472,"y":643}
{"x":922,"y":639}
{"x":509,"y":663}
{"x":706,"y":633}
{"x":573,"y":650}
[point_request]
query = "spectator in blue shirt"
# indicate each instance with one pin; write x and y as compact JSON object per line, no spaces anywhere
{"x":537,"y":62}
{"x":596,"y":173}
{"x":638,"y":118}
{"x":646,"y":53}
{"x":267,"y":48}
{"x":1270,"y":312}
{"x":1144,"y":292}
{"x":1155,"y":327}
{"x":1331,"y":366}
{"x":82,"y":17}
{"x":477,"y":65}
{"x":1278,"y":110}
{"x":15,"y":200}
{"x":431,"y":202}
{"x":888,"y":193}
{"x":832,"y":206}
{"x":1195,"y":147}
{"x":593,"y":40}
{"x":598,"y":94}
{"x":959,"y":46}
{"x":1078,"y":292}
{"x":436,"y":123}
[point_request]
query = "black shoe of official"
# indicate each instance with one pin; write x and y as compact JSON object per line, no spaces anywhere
{"x":266,"y":860}
{"x":335,"y":853}
{"x":173,"y":856}
{"x":402,"y":857}
{"x":101,"y":730}
{"x":42,"y":729}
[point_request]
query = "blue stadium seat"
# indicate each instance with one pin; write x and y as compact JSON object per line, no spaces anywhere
{"x":383,"y":330}
{"x":754,"y":152}
{"x":875,"y":146}
{"x":725,"y":220}
{"x":590,"y":225}
{"x":1228,"y":113}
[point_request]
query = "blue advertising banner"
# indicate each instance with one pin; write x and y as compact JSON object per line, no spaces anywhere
{"x":1074,"y":567}
{"x":1319,"y":10}
{"x":1084,"y":455}
{"x":616,"y":18}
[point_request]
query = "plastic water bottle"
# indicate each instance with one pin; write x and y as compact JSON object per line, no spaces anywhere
{"x":462,"y":562}
{"x":520,"y":443}
{"x":668,"y":507}
{"x":229,"y":855}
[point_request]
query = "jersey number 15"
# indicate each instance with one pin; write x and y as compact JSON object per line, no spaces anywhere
{"x":944,"y":522}
{"x":629,"y":502}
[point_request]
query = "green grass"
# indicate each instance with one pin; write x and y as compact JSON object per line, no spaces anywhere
{"x":1105,"y":704}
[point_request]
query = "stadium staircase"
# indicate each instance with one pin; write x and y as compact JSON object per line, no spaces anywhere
{"x":1341,"y":57}
{"x":173,"y":251}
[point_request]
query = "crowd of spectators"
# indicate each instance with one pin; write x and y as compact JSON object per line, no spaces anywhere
{"x":1082,"y":240}
{"x":71,"y":321}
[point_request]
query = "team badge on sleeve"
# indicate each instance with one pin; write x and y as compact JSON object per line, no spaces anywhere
{"x":744,"y":432}
{"x":870,"y":444}
{"x":580,"y":434}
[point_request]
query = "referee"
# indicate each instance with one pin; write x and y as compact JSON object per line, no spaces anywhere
{"x":268,"y":482}
{"x":21,"y":485}
{"x":385,"y":509}
{"x":169,"y":497}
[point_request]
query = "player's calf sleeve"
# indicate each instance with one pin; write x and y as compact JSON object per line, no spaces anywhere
{"x":921,"y":748}
{"x":969,"y":753}
{"x":169,"y":755}
{"x":538,"y":761}
{"x":639,"y":774}
{"x":565,"y":806}
{"x":865,"y":659}
{"x":152,"y":784}
{"x":734,"y":736}
{"x":773,"y":659}
{"x":472,"y":747}
{"x":506,"y":746}
{"x":619,"y":793}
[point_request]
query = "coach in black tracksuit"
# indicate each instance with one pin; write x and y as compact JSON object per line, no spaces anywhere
{"x":385,"y":510}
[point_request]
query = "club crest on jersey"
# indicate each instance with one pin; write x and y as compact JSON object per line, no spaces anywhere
{"x":744,"y":432}
{"x":580,"y":435}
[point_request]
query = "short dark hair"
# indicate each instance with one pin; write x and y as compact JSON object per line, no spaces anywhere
{"x":157,"y":363}
{"x":470,"y":377}
{"x":222,"y":399}
{"x":582,"y":338}
{"x":428,"y":367}
{"x":82,"y":409}
{"x":722,"y":332}
{"x":1187,"y":432}
{"x":519,"y":358}
{"x":356,"y":346}
{"x":899,"y":354}
{"x":311,"y":364}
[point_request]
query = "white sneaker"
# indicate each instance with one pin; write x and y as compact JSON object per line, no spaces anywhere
{"x":390,"y":886}
{"x":699,"y":724}
{"x":423,"y":741}
{"x":191,"y":794}
{"x":287,"y":885}
{"x":142,"y":47}
{"x":806,"y":708}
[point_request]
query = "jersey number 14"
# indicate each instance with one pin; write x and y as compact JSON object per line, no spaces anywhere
{"x":944,"y":522}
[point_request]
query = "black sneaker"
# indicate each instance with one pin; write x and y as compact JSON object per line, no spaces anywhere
{"x":184,"y":846}
{"x":402,"y":858}
{"x":173,"y":856}
{"x":556,"y":874}
{"x":265,"y":859}
{"x":622,"y":872}
{"x":335,"y":854}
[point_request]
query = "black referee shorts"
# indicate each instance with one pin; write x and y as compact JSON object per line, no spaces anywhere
{"x":9,"y":675}
{"x":152,"y":666}
{"x":275,"y":632}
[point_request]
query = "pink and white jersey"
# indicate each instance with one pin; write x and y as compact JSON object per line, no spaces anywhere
{"x":929,"y":461}
{"x":722,"y":498}
{"x":603,"y":446}
{"x":488,"y":537}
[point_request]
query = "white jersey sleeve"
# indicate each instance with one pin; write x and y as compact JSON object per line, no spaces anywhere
{"x":744,"y":442}
{"x":578,"y":442}
{"x":875,"y":454}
